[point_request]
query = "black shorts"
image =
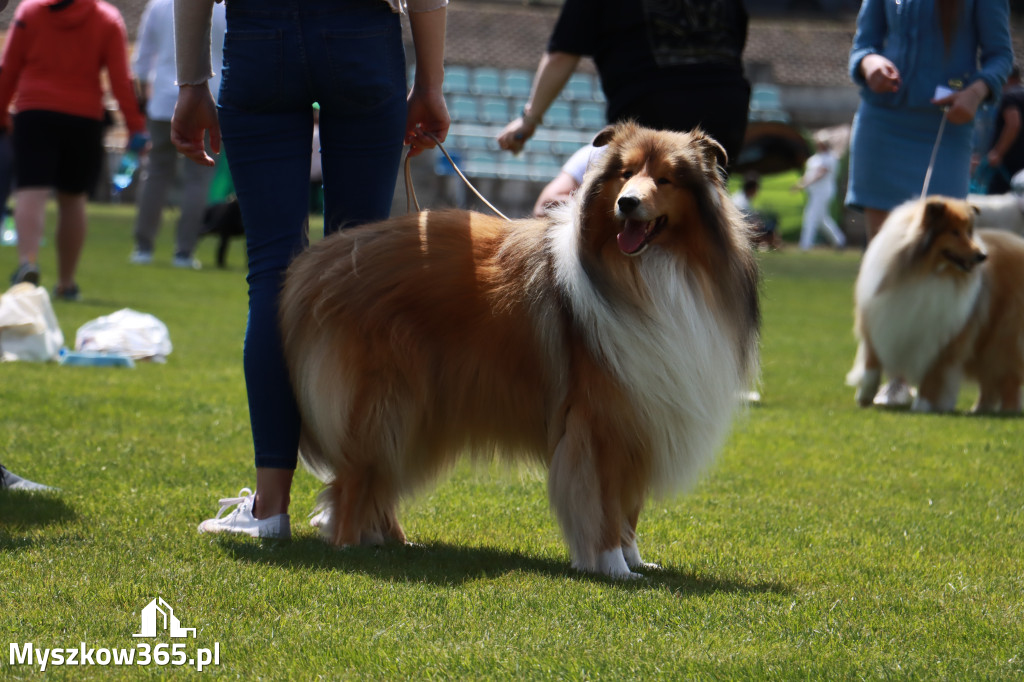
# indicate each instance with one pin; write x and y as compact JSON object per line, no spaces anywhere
{"x":57,"y":150}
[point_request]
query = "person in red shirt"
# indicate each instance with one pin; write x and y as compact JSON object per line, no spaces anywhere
{"x":51,"y":68}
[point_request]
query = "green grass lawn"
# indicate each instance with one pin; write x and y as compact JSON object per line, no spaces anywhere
{"x":828,"y":541}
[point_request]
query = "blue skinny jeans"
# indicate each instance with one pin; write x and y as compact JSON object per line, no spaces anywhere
{"x":281,"y":56}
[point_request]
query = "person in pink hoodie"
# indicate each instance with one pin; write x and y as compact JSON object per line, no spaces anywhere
{"x":51,"y":68}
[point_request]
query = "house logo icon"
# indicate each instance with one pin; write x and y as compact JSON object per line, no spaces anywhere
{"x":158,"y":611}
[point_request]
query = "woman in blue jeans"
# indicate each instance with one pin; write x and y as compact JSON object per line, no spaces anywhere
{"x":279,"y":58}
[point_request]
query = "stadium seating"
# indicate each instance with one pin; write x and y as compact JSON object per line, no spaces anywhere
{"x":482,"y":100}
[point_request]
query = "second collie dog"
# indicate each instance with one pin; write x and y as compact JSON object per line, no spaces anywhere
{"x":938,"y":301}
{"x":609,"y":342}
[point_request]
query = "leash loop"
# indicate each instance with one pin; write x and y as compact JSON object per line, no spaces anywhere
{"x":410,"y":191}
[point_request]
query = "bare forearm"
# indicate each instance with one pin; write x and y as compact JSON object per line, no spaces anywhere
{"x":428,"y":32}
{"x":1011,"y":129}
{"x":552,"y":75}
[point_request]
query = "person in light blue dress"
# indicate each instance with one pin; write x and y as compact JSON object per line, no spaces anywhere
{"x":902,"y":52}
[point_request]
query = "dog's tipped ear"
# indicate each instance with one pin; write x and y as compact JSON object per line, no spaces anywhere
{"x":934,"y":211}
{"x":712,"y":152}
{"x":715,"y":153}
{"x":605,"y":136}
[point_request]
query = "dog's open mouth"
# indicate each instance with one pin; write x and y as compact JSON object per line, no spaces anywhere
{"x":965,"y":264}
{"x":637,"y":234}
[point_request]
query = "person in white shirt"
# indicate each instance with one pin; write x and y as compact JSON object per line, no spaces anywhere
{"x":819,"y":181}
{"x":156,"y":76}
{"x":568,"y":180}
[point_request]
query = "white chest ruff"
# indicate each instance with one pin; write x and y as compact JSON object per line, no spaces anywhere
{"x":911,"y":323}
{"x":675,"y":358}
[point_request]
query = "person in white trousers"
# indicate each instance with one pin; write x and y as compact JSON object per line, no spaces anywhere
{"x":819,"y":181}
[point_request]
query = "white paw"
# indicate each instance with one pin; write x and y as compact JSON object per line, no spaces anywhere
{"x":632,"y":556}
{"x":921,"y":405}
{"x":613,"y":564}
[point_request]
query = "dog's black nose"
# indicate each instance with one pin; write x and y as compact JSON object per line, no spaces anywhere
{"x":980,"y":258}
{"x":628,"y":203}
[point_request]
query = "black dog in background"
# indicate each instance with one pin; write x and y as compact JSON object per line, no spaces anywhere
{"x":225,"y":220}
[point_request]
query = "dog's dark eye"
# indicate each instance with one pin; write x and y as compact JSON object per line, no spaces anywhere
{"x":664,"y":181}
{"x":627,"y":174}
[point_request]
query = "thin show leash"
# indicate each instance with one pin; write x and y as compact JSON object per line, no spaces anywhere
{"x":410,"y":191}
{"x":935,"y":153}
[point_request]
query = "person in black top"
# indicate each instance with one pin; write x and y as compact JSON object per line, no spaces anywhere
{"x":671,"y":66}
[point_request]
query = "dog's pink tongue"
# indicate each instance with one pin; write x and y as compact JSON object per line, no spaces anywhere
{"x":632,"y":236}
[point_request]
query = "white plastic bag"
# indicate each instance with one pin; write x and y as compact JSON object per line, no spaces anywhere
{"x":126,"y":332}
{"x":28,"y":326}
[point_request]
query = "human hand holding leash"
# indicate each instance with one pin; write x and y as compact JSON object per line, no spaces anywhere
{"x":962,"y":105}
{"x":428,"y":113}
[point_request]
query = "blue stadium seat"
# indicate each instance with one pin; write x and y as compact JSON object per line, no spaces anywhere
{"x":494,"y":110}
{"x":516,"y":83}
{"x":514,"y":168}
{"x":589,"y":115}
{"x":544,"y":167}
{"x":580,"y":86}
{"x":485,"y":81}
{"x":456,"y":80}
{"x":565,"y":147}
{"x":462,"y":109}
{"x":480,"y":164}
{"x":558,"y":115}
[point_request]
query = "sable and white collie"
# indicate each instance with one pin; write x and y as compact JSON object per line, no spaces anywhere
{"x":609,"y":342}
{"x":938,"y":301}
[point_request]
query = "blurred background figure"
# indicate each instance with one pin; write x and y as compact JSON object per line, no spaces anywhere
{"x":819,"y":182}
{"x":1006,"y":155}
{"x":155,"y":76}
{"x":766,"y":224}
{"x":902,"y":54}
{"x":568,"y":180}
{"x":55,"y":54}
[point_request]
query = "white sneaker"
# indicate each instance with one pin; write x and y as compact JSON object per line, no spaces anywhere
{"x":14,"y":482}
{"x":187,"y":263}
{"x":140,"y":257}
{"x":241,"y":519}
{"x":896,"y":393}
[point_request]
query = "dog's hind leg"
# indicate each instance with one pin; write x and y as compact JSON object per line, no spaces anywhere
{"x":1002,"y":394}
{"x":382,"y":523}
{"x":939,"y":389}
{"x":866,"y":374}
{"x":630,"y":551}
{"x":348,"y":497}
{"x":1011,"y":395}
{"x":989,"y":397}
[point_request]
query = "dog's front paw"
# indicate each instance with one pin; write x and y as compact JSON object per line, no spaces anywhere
{"x":612,"y":563}
{"x":867,"y":389}
{"x":922,"y":405}
{"x":632,"y":556}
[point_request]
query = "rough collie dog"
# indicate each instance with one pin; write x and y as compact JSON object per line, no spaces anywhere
{"x":937,"y":301}
{"x":608,"y":342}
